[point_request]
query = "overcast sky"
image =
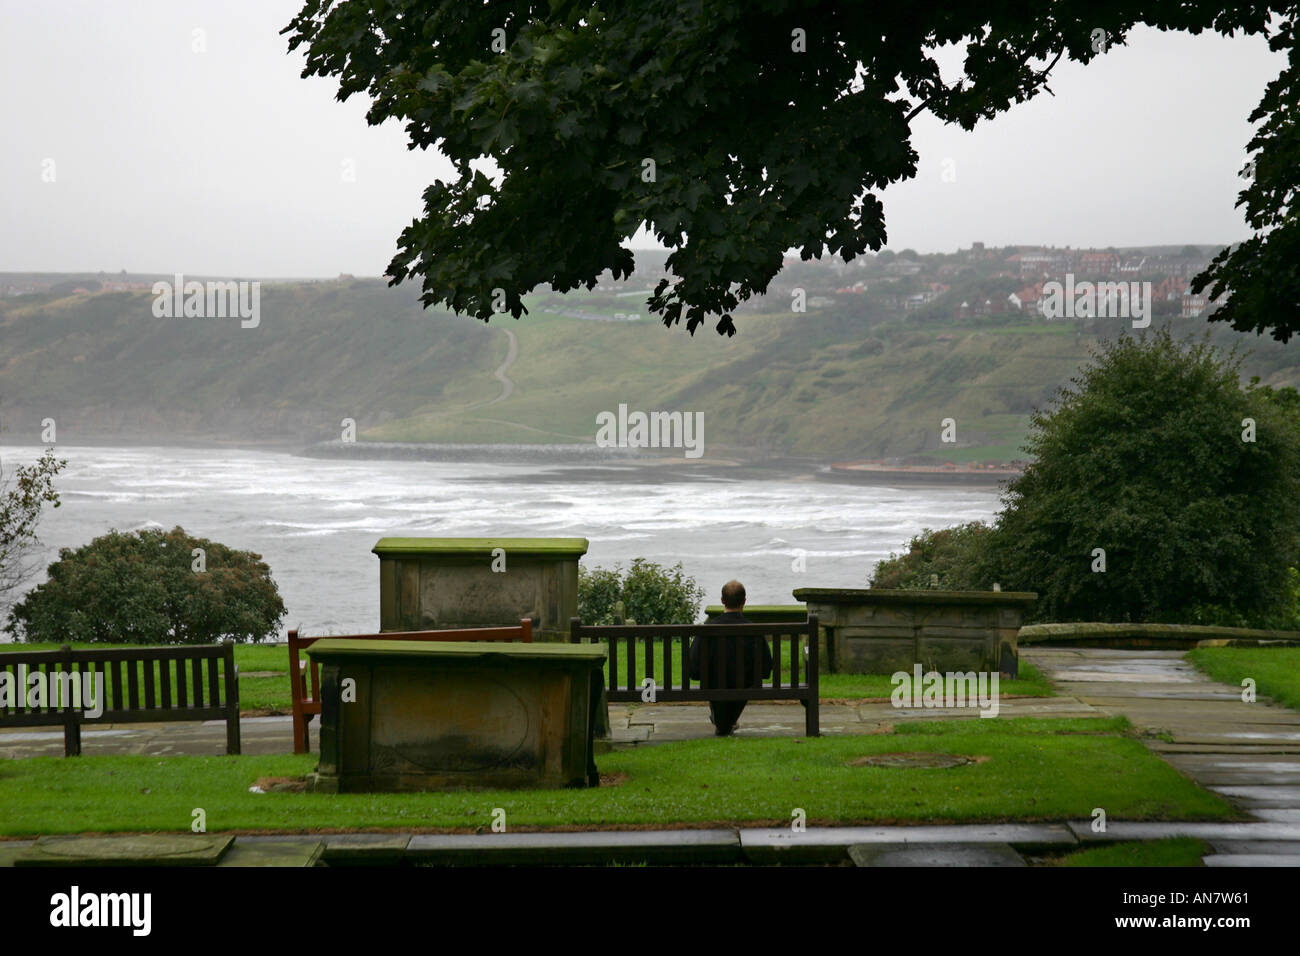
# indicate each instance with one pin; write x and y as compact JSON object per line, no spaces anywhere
{"x":226,"y":162}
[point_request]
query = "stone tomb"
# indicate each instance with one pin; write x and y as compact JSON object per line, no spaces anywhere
{"x":883,"y":631}
{"x":414,"y":715}
{"x":440,"y":583}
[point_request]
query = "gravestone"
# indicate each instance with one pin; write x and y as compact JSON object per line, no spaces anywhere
{"x":440,"y":583}
{"x":883,"y":630}
{"x":411,"y":715}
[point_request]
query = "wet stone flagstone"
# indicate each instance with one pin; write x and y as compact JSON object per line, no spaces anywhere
{"x":151,"y":849}
{"x":935,"y":854}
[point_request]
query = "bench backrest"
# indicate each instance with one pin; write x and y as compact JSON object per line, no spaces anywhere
{"x":662,"y":656}
{"x":131,"y":684}
{"x":307,"y":703}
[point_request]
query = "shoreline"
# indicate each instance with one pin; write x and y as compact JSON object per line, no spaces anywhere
{"x":570,"y":462}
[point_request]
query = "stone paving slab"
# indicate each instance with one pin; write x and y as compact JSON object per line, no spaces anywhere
{"x":293,"y":853}
{"x":362,"y":848}
{"x":1246,"y":737}
{"x":1263,"y":796}
{"x":10,"y":850}
{"x":1277,"y":815}
{"x":934,"y":854}
{"x":1257,"y":847}
{"x":1246,"y":750}
{"x":561,"y":849}
{"x":1133,"y":830}
{"x":1250,"y":860}
{"x":151,"y":849}
{"x":1238,"y":769}
{"x":817,"y":844}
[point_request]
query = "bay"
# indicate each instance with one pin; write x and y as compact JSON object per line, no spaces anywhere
{"x":314,"y":521}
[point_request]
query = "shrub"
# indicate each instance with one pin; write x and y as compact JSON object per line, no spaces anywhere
{"x":651,"y":594}
{"x":959,"y":556}
{"x":149,"y":588}
{"x":1160,"y":457}
{"x":1147,"y":456}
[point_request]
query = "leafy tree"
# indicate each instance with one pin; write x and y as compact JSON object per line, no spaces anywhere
{"x":651,"y":594}
{"x":23,"y":495}
{"x":150,"y":587}
{"x":959,"y":556}
{"x":1261,"y":276}
{"x":1149,"y":455}
{"x":734,"y":130}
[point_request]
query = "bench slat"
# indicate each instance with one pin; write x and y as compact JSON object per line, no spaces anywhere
{"x":117,"y":686}
{"x":165,"y":682}
{"x":133,"y":682}
{"x":214,"y":694}
{"x":197,"y":667}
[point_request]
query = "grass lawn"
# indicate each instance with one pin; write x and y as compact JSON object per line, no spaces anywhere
{"x":1175,"y":851}
{"x":1026,"y":769}
{"x":1276,"y":670}
{"x":262,"y":695}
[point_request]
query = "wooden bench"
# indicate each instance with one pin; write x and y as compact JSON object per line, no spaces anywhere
{"x":134,"y":685}
{"x":306,"y":706}
{"x":787,"y":638}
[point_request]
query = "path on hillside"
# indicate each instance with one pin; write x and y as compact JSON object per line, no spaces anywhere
{"x":1249,"y":754}
{"x":507,"y":386}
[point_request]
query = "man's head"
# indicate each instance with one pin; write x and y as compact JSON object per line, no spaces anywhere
{"x":733,"y":596}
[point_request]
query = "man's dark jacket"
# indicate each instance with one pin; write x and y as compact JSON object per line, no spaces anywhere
{"x":721,"y":657}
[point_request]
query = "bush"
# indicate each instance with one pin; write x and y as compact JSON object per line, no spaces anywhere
{"x":1148,"y":456}
{"x":149,"y":588}
{"x":651,"y":594}
{"x":959,"y":556}
{"x":1144,"y":457}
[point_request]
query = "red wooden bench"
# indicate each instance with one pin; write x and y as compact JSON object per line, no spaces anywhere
{"x":305,"y":707}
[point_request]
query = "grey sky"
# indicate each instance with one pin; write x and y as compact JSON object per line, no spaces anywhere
{"x":226,"y":162}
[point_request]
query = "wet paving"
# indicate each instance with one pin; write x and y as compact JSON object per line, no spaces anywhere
{"x":1247,"y":752}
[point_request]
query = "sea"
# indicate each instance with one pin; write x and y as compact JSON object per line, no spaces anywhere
{"x":315,"y":521}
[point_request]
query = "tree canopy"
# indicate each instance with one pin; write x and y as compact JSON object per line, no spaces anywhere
{"x":735,"y":130}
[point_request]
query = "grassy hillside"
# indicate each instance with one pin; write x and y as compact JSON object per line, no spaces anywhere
{"x":845,"y":381}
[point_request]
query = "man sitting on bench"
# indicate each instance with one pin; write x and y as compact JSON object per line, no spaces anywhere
{"x":722,"y":661}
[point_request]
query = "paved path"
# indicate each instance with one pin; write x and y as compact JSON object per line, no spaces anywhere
{"x":1249,"y":753}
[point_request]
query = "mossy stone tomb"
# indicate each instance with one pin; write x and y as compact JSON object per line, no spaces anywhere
{"x":437,"y":583}
{"x":883,"y":631}
{"x":414,"y":715}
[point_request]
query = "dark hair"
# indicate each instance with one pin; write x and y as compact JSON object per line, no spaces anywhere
{"x":733,"y":594}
